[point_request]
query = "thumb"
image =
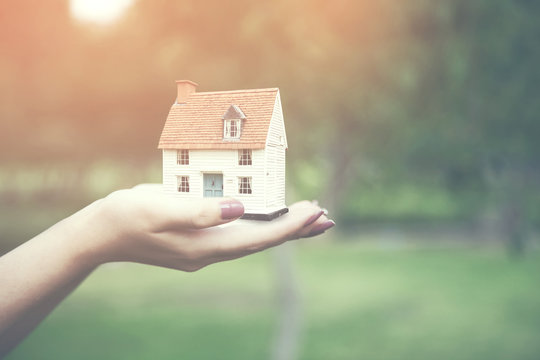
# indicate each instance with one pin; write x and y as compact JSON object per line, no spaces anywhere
{"x":206,"y":212}
{"x":169,"y":213}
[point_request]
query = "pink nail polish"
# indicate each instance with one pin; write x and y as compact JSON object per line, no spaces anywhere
{"x":231,"y":209}
{"x":319,"y":229}
{"x":313,"y":218}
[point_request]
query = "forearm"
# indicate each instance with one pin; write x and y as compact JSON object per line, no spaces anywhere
{"x":39,"y":274}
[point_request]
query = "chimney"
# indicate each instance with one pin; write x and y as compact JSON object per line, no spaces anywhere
{"x":185,"y":88}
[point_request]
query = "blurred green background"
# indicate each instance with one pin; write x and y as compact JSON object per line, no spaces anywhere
{"x":415,"y":123}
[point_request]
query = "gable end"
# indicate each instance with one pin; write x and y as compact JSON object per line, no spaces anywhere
{"x":233,"y":112}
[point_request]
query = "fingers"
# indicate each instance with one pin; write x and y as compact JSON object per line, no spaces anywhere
{"x":246,"y":237}
{"x":191,"y":248}
{"x":320,"y":228}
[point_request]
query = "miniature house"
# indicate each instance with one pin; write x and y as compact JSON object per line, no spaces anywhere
{"x":227,"y":143}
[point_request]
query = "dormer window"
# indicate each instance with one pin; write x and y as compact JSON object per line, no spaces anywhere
{"x":232,"y":129}
{"x":232,"y":123}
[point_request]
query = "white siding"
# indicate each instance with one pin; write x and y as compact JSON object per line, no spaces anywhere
{"x":276,"y":144}
{"x":219,"y":162}
{"x":275,"y":176}
{"x":276,"y":130}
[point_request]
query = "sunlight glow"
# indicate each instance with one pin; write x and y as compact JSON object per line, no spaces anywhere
{"x":98,"y":11}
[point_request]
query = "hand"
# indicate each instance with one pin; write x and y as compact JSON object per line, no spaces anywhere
{"x":147,"y":226}
{"x":141,"y":225}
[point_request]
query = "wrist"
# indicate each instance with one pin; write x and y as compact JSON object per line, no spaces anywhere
{"x":84,"y":236}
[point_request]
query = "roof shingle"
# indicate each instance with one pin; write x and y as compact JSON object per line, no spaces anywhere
{"x":198,"y":124}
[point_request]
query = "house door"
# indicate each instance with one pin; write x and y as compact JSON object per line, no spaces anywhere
{"x":213,"y":185}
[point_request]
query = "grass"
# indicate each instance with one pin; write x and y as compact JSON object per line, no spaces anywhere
{"x":359,"y":300}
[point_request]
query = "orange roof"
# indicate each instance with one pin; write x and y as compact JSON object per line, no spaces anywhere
{"x":198,"y":124}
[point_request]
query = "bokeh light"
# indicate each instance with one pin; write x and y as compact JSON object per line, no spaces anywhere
{"x":99,"y":11}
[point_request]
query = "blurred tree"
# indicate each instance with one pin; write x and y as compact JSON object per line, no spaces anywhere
{"x":434,"y":94}
{"x":482,"y":131}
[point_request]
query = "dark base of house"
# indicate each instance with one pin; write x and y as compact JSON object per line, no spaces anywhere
{"x":265,"y":217}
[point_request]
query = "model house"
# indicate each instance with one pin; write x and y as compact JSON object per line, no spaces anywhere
{"x":227,"y":143}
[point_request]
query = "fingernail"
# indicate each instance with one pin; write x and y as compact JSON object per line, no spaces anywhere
{"x":319,"y":229}
{"x":231,"y":209}
{"x":313,"y":218}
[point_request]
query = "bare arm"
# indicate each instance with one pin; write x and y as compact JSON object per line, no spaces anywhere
{"x":137,"y":225}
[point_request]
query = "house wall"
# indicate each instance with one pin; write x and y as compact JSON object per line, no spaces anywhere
{"x":276,"y":130}
{"x":275,"y":176}
{"x":217,"y":161}
{"x":276,"y":144}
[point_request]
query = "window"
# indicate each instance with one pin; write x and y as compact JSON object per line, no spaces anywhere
{"x":232,"y":129}
{"x":232,"y":122}
{"x":182,"y":157}
{"x":244,"y":185}
{"x":244,"y":157}
{"x":183,"y":184}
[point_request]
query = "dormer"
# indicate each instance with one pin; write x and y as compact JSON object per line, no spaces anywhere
{"x":232,"y":123}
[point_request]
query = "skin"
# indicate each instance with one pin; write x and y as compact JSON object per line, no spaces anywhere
{"x":138,"y":225}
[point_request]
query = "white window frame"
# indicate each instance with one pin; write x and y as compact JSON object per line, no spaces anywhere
{"x":245,"y":157}
{"x":182,"y":184}
{"x":245,"y":186}
{"x":182,"y":157}
{"x":227,"y":128}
